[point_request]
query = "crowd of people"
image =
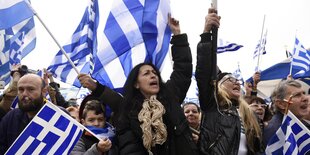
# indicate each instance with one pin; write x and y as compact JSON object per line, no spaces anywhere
{"x":150,"y":116}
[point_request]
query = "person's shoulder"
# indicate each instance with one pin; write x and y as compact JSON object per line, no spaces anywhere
{"x":15,"y":112}
{"x":12,"y":115}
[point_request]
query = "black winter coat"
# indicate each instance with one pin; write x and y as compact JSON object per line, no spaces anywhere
{"x":221,"y":127}
{"x":179,"y":140}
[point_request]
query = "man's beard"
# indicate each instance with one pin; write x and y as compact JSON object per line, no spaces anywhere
{"x":35,"y":104}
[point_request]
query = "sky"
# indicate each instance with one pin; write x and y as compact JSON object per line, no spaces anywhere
{"x":241,"y":23}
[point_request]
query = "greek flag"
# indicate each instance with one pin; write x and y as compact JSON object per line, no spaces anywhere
{"x":80,"y":48}
{"x":107,"y":132}
{"x":131,"y":32}
{"x":17,"y":42}
{"x":260,"y":47}
{"x":300,"y":59}
{"x":13,"y":12}
{"x":51,"y":131}
{"x":227,"y":46}
{"x":238,"y":75}
{"x":291,"y":138}
{"x":135,"y":31}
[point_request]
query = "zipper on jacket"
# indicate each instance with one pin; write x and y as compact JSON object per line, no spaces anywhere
{"x":215,"y":142}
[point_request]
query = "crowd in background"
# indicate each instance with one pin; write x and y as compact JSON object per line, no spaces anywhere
{"x":150,"y":116}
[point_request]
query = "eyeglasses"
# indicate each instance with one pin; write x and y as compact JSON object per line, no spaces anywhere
{"x":232,"y":80}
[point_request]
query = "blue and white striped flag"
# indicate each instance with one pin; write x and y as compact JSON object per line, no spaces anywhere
{"x":17,"y":42}
{"x":260,"y":47}
{"x":300,"y":59}
{"x":80,"y":48}
{"x":51,"y":131}
{"x":135,"y":31}
{"x":13,"y":12}
{"x":238,"y":75}
{"x":225,"y":46}
{"x":292,"y":137}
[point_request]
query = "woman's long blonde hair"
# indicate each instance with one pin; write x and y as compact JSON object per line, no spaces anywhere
{"x":249,"y":120}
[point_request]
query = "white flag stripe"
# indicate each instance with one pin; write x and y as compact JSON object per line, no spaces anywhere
{"x":300,"y":59}
{"x":24,"y":147}
{"x":39,"y":148}
{"x":121,"y":77}
{"x":4,"y":4}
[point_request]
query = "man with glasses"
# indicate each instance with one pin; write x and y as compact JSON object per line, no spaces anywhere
{"x":288,"y":95}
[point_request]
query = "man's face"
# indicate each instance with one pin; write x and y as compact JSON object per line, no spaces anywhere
{"x":91,"y":119}
{"x":29,"y":93}
{"x":299,"y":101}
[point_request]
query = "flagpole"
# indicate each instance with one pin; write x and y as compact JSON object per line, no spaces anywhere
{"x":260,"y":43}
{"x":288,"y":104}
{"x":58,"y":44}
{"x":214,"y":48}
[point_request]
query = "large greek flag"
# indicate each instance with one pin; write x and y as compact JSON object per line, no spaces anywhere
{"x":291,"y":138}
{"x":300,"y":59}
{"x":51,"y":131}
{"x":135,"y":31}
{"x":130,"y":32}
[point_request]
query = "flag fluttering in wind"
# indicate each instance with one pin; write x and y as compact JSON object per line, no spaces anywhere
{"x":225,"y":46}
{"x":260,"y":47}
{"x":300,"y":59}
{"x":13,"y":12}
{"x":51,"y":131}
{"x":80,"y":48}
{"x":134,"y":32}
{"x":238,"y":75}
{"x":292,"y":137}
{"x":18,"y":41}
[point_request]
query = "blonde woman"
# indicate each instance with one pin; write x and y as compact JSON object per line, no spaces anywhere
{"x":228,"y":125}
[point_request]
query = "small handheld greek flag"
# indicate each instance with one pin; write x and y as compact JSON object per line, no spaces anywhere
{"x":51,"y":131}
{"x":292,"y":137}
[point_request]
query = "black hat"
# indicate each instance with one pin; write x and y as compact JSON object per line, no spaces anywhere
{"x":221,"y":75}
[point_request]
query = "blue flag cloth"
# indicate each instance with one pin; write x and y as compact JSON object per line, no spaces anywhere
{"x":260,"y":47}
{"x":103,"y":133}
{"x":133,"y":32}
{"x":80,"y":48}
{"x":292,"y":137}
{"x":227,"y":46}
{"x":238,"y":75}
{"x":18,"y":41}
{"x":51,"y":131}
{"x":300,"y":59}
{"x":13,"y":12}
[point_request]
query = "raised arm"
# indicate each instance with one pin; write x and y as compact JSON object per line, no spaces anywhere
{"x":104,"y":93}
{"x":204,"y":66}
{"x":180,"y":78}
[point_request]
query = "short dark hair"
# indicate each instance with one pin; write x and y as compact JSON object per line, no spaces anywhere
{"x":191,"y":103}
{"x":93,"y":105}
